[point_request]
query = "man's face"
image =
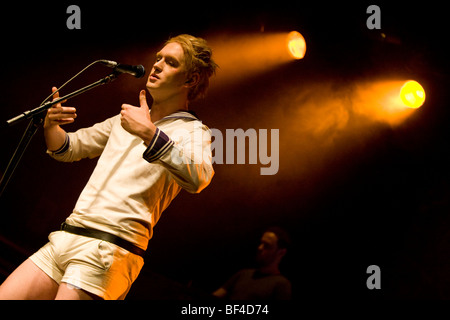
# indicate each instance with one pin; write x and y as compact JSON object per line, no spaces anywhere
{"x":267,"y":249}
{"x":168,"y":75}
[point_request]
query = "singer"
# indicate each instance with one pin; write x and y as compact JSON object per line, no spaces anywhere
{"x":98,"y":252}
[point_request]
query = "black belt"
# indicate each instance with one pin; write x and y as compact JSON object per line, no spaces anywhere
{"x":105,"y":236}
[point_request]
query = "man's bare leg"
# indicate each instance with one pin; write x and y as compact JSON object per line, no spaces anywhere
{"x":69,"y":292}
{"x":28,"y":282}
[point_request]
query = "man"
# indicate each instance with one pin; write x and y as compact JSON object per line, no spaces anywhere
{"x":266,"y":282}
{"x":146,"y":157}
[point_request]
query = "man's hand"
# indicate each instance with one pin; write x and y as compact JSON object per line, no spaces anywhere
{"x":59,"y":115}
{"x":137,"y":120}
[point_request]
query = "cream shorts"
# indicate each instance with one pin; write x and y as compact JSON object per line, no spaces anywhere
{"x":96,"y":266}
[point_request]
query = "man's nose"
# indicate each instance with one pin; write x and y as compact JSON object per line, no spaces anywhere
{"x":157,"y":66}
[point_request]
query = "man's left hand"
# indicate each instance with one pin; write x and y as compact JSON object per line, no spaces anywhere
{"x":137,"y":120}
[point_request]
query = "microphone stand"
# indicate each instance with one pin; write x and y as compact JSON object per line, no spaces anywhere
{"x":37,"y":116}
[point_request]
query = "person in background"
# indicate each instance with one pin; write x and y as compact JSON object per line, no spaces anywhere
{"x":266,"y":281}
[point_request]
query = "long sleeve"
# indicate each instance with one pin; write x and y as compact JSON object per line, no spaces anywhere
{"x":84,"y":143}
{"x":186,"y":154}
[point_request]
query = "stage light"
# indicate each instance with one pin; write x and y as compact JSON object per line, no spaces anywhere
{"x":412,"y":94}
{"x":296,"y":45}
{"x":389,"y":101}
{"x":248,"y":54}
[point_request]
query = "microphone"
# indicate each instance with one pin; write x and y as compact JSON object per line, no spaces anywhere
{"x":136,"y":71}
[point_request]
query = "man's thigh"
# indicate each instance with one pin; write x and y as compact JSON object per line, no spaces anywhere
{"x":69,"y":292}
{"x":28,"y":282}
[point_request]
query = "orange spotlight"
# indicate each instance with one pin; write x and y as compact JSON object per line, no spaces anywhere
{"x":412,"y":94}
{"x":296,"y":45}
{"x":391,"y":101}
{"x":246,"y":55}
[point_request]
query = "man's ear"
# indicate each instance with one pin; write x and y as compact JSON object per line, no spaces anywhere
{"x":192,"y":81}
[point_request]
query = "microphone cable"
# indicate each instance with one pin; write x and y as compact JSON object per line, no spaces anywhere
{"x":68,"y":81}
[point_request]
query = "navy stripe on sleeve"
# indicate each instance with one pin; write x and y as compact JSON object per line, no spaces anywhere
{"x":159,"y":145}
{"x":64,"y":147}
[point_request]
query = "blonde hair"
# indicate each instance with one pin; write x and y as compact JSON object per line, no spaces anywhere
{"x":198,"y":60}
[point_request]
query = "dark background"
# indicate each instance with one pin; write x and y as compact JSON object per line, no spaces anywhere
{"x":378,"y":196}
